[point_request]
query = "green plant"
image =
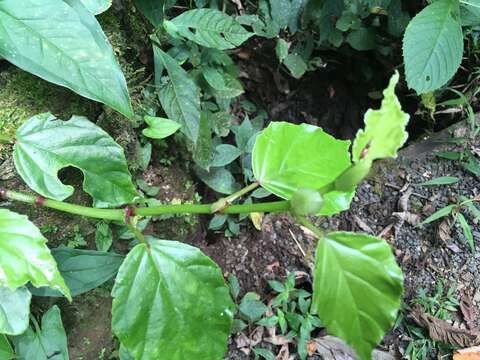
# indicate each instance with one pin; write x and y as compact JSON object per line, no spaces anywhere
{"x":169,"y":298}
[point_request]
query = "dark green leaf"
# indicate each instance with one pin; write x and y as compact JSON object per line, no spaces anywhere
{"x":45,"y":145}
{"x":296,"y":65}
{"x":362,"y":39}
{"x":234,"y":286}
{"x":449,"y":155}
{"x":153,"y":10}
{"x":252,"y":310}
{"x":219,"y":179}
{"x":171,"y":302}
{"x":24,"y":255}
{"x":264,"y":353}
{"x":62,"y":42}
{"x":357,"y":288}
{"x":467,"y":231}
{"x":203,"y":149}
{"x":83,"y":270}
{"x":14,"y":310}
{"x":225,"y":154}
{"x":6,"y":351}
{"x":443,"y":180}
{"x":50,"y":343}
{"x":180,"y":98}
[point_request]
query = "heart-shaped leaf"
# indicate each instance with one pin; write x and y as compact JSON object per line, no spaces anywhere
{"x":288,"y":157}
{"x":45,"y":145}
{"x":62,"y":42}
{"x":83,"y":270}
{"x":24,"y":255}
{"x":48,"y":343}
{"x":171,"y":302}
{"x":208,"y":27}
{"x":357,"y":288}
{"x":14,"y":310}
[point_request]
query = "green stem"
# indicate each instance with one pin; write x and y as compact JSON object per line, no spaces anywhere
{"x":119,"y":214}
{"x":308,"y":224}
{"x":138,"y":234}
{"x":240,"y":193}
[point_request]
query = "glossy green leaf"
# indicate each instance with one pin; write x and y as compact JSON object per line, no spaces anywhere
{"x":180,"y":98}
{"x":24,"y":255}
{"x":49,"y":343}
{"x":384,"y":132}
{"x":6,"y":351}
{"x":160,"y":128}
{"x":208,"y":27}
{"x":433,"y":46}
{"x":357,"y":289}
{"x":171,"y":302}
{"x":45,"y":145}
{"x":83,"y":270}
{"x":288,"y":157}
{"x":14,"y":310}
{"x":62,"y":42}
{"x":97,"y":6}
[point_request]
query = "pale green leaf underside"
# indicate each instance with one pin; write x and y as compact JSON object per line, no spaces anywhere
{"x":288,"y":157}
{"x":46,"y":145}
{"x":357,"y":288}
{"x":433,"y":46}
{"x":24,"y":255}
{"x":48,"y":344}
{"x":62,"y":42}
{"x":160,"y":128}
{"x":14,"y":310}
{"x":171,"y":303}
{"x":210,"y":28}
{"x":97,"y":6}
{"x":180,"y":98}
{"x":384,"y":132}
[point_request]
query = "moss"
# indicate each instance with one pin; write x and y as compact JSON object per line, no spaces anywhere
{"x":23,"y":95}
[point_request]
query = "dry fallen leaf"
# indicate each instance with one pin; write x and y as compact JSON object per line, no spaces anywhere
{"x":362,"y":225}
{"x":257,"y":219}
{"x":284,"y":353}
{"x":468,"y":310}
{"x":472,"y":353}
{"x":443,"y":231}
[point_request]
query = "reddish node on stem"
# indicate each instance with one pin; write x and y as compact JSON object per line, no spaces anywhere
{"x":129,"y":213}
{"x":40,"y":200}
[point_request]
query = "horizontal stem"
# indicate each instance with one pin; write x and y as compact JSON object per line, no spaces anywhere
{"x":119,"y":214}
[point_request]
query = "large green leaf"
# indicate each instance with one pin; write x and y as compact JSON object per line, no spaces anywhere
{"x":83,"y":270}
{"x":47,"y":343}
{"x":210,"y":28}
{"x":357,"y":288}
{"x":384,"y":132}
{"x":433,"y":46}
{"x":6,"y":351}
{"x":153,"y":10}
{"x":14,"y":310}
{"x":24,"y":255}
{"x":45,"y":145}
{"x":180,"y":98}
{"x":288,"y":157}
{"x":62,"y":42}
{"x":171,"y":302}
{"x":97,"y":6}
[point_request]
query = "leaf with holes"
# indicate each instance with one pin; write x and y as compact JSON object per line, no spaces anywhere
{"x":357,"y":288}
{"x":45,"y":145}
{"x":14,"y":310}
{"x":170,"y":301}
{"x":180,"y":97}
{"x":47,"y":343}
{"x":433,"y":46}
{"x":281,"y":165}
{"x":208,"y":27}
{"x":24,"y":255}
{"x":62,"y":42}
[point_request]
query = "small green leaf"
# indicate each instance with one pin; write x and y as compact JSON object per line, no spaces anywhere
{"x":234,"y":286}
{"x":83,"y":270}
{"x":281,"y":49}
{"x":225,"y":154}
{"x":62,"y":42}
{"x":443,"y":180}
{"x":160,"y":128}
{"x":24,"y":255}
{"x":447,"y":210}
{"x":180,"y":98}
{"x":171,"y":302}
{"x":384,"y":132}
{"x":103,"y":236}
{"x":264,"y":353}
{"x":281,"y":166}
{"x":50,"y":343}
{"x":467,"y":231}
{"x":224,"y":85}
{"x":357,"y":289}
{"x":433,"y":46}
{"x":362,"y":39}
{"x":297,"y":66}
{"x":14,"y":310}
{"x":45,"y":145}
{"x":208,"y":27}
{"x":97,"y":6}
{"x":219,"y":179}
{"x":252,"y":310}
{"x":6,"y":351}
